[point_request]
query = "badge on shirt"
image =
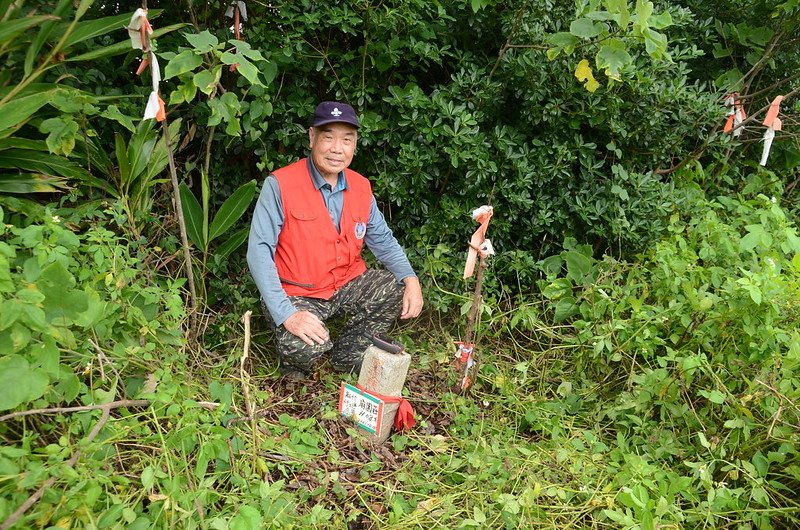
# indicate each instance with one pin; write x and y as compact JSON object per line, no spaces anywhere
{"x":361,"y":230}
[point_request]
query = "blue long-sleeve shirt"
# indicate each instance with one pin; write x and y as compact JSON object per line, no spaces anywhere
{"x":266,"y":227}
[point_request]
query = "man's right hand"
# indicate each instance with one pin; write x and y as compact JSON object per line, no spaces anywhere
{"x":307,"y":327}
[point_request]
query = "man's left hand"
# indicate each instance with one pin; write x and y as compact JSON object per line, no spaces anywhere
{"x":412,"y":298}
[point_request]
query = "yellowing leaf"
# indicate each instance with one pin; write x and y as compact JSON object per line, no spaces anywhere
{"x":584,"y":74}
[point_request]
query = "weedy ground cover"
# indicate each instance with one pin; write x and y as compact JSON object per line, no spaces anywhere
{"x":660,"y":394}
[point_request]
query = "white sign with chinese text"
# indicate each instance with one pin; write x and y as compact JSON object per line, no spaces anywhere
{"x":362,"y":407}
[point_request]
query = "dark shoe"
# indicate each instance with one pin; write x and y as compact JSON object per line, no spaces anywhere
{"x":293,"y":375}
{"x":346,"y":368}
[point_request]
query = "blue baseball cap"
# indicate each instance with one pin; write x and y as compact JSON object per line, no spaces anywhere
{"x":334,"y":112}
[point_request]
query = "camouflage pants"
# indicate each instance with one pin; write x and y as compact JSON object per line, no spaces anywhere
{"x":370,"y":303}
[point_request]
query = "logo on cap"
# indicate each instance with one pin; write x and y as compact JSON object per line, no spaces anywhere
{"x":336,"y":112}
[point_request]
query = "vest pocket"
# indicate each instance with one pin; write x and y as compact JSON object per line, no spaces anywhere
{"x":302,"y":215}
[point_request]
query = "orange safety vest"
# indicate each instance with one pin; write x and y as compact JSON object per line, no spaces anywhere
{"x":312,"y":258}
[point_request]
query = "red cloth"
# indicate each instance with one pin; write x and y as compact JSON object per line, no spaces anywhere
{"x":404,"y":420}
{"x":312,"y":258}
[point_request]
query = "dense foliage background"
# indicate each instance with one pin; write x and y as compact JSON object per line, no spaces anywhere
{"x":640,"y":346}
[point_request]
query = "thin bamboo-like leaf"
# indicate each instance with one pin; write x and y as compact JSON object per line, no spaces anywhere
{"x":11,"y":28}
{"x":30,"y":183}
{"x":233,"y":242}
{"x":232,"y":209}
{"x":120,"y":47}
{"x":192,"y":214}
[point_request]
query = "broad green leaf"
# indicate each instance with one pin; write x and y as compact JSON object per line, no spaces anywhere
{"x":6,"y":283}
{"x":62,"y":300}
{"x":249,"y":72}
{"x":578,"y":266}
{"x":613,"y":57}
{"x":660,"y":21}
{"x":186,"y":61}
{"x":232,"y":209}
{"x":11,"y":28}
{"x":112,"y":112}
{"x":269,"y":71}
{"x":583,"y":72}
{"x":564,"y":41}
{"x":206,"y":80}
{"x":558,"y":289}
{"x":565,"y":308}
{"x":586,"y":28}
{"x":247,"y":519}
{"x":24,"y":183}
{"x":243,"y":49}
{"x":193,"y":216}
{"x":644,"y":9}
{"x":620,"y":8}
{"x":233,"y":243}
{"x":202,"y":42}
{"x":714,"y":396}
{"x":20,"y":382}
{"x":19,"y":109}
{"x":656,"y":44}
{"x":61,"y":133}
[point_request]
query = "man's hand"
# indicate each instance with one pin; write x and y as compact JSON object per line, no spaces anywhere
{"x":307,"y":327}
{"x":412,"y":298}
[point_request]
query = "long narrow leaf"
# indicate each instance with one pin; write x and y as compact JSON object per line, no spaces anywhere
{"x":205,"y":188}
{"x":193,"y":215}
{"x":233,"y":242}
{"x":11,"y":28}
{"x":30,"y":183}
{"x":122,"y":159}
{"x":40,"y":162}
{"x":18,"y":109}
{"x":89,"y":29}
{"x":232,"y":209}
{"x":41,"y":37}
{"x":23,"y":143}
{"x":121,"y":47}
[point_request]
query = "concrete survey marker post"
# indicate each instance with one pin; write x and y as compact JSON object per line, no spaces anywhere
{"x":383,"y":374}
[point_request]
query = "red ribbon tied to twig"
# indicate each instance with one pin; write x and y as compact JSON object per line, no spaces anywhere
{"x":478,"y":244}
{"x":404,"y":419}
{"x":773,"y":123}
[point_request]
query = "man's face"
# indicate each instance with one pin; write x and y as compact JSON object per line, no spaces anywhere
{"x":332,"y":147}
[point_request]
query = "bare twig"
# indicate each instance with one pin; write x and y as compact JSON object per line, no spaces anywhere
{"x":84,"y":408}
{"x":187,"y":253}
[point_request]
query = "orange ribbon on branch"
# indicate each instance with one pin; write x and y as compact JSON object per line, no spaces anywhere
{"x":478,"y":244}
{"x":773,"y":123}
{"x":404,"y":419}
{"x":736,"y":114}
{"x":139,"y":31}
